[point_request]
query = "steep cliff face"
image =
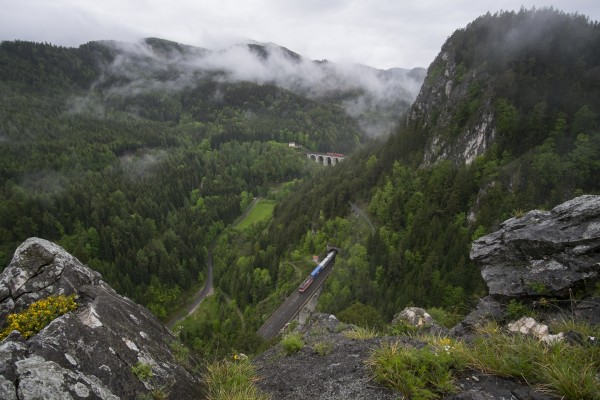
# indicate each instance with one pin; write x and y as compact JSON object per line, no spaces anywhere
{"x":454,"y":110}
{"x":510,"y":78}
{"x":108,"y":348}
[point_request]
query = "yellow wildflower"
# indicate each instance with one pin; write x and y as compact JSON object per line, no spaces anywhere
{"x":38,"y":315}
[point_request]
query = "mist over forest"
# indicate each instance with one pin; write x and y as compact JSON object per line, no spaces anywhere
{"x":155,"y":64}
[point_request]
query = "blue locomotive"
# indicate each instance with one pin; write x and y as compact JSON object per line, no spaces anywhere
{"x":316,"y":271}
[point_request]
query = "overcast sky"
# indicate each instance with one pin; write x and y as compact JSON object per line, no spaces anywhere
{"x":380,"y":33}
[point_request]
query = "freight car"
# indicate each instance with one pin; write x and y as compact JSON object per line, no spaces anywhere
{"x":307,"y":282}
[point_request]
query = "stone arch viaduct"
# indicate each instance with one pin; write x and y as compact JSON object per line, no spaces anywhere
{"x":326,"y":158}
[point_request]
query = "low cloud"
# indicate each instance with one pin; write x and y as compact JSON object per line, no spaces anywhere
{"x":86,"y":105}
{"x":155,"y":65}
{"x":45,"y":181}
{"x":138,"y":166}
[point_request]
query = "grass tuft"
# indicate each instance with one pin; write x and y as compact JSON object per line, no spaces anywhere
{"x":360,"y":333}
{"x":570,"y":371}
{"x":403,"y":329}
{"x":142,"y":371}
{"x":226,"y":380}
{"x":505,"y":355}
{"x":445,"y":318}
{"x":322,"y":348}
{"x":292,"y":343}
{"x":180,"y":352}
{"x":419,"y":374}
{"x":515,"y":310}
{"x":585,"y":329}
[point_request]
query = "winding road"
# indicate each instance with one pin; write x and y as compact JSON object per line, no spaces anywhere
{"x":199,"y":296}
{"x":207,"y":290}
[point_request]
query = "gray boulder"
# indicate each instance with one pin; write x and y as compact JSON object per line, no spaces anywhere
{"x":413,"y":316}
{"x":89,"y":352}
{"x":589,"y":310}
{"x":488,"y":309}
{"x":543,"y":252}
{"x":419,"y":319}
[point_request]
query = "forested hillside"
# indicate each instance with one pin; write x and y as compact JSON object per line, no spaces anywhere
{"x":135,"y":163}
{"x":507,"y":121}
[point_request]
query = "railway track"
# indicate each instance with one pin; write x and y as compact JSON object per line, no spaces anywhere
{"x":292,"y":305}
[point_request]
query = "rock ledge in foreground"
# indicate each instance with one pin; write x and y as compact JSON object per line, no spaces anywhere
{"x":87,"y":353}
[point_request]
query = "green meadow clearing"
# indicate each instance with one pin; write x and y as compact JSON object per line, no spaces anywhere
{"x":262,"y":210}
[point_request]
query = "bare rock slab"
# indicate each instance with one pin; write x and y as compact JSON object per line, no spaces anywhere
{"x":87,"y":353}
{"x":543,"y":252}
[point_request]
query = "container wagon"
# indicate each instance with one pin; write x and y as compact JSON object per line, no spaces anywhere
{"x":316,"y":272}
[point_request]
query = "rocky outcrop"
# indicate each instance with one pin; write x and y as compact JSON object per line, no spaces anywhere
{"x":488,"y":309}
{"x":529,"y":326}
{"x":447,"y":93}
{"x":588,"y":310}
{"x":479,"y":386}
{"x":544,"y":252}
{"x":414,"y":316}
{"x":89,"y":352}
{"x":419,"y":319}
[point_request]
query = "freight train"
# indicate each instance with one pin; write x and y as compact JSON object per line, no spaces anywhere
{"x":302,"y":288}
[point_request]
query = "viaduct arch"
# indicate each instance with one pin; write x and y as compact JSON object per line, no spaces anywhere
{"x":326,"y":158}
